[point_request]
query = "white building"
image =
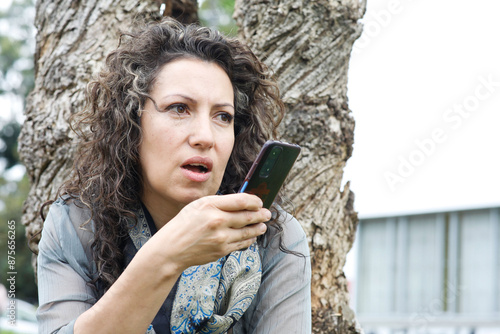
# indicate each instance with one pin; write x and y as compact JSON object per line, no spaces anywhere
{"x":437,"y":273}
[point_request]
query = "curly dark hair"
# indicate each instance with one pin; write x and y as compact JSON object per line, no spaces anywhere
{"x":106,"y":175}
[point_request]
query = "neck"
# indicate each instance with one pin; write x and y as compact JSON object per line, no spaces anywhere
{"x":160,"y":212}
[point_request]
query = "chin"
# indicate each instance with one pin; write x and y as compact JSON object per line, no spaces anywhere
{"x":191,"y":196}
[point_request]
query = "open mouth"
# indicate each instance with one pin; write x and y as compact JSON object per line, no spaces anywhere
{"x":197,"y":168}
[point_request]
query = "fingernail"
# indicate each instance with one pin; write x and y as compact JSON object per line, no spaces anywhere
{"x":263,"y":228}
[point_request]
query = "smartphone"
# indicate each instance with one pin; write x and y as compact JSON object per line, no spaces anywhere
{"x":269,"y":170}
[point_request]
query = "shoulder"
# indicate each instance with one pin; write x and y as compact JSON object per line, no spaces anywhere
{"x":65,"y":212}
{"x":285,"y":247}
{"x":68,"y":216}
{"x":292,"y":229}
{"x":65,"y":268}
{"x":286,"y":232}
{"x":67,"y":231}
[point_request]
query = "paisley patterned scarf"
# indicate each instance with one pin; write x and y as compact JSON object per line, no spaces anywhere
{"x":210,"y":298}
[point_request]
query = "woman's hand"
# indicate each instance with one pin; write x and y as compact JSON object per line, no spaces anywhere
{"x":210,"y":228}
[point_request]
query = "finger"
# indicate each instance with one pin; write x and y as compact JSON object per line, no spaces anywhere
{"x":240,"y":219}
{"x":242,"y":245}
{"x":245,"y":234}
{"x":236,"y":202}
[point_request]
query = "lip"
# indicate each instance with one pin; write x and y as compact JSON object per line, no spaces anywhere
{"x":196,"y":176}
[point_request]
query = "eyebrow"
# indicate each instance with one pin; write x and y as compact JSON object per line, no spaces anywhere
{"x":194,"y":101}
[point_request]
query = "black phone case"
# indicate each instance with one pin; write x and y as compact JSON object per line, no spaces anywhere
{"x":265,"y":180}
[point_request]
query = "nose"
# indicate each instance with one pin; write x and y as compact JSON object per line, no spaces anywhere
{"x":201,"y":133}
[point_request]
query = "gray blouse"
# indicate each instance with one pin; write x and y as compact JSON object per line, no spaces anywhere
{"x":65,"y":266}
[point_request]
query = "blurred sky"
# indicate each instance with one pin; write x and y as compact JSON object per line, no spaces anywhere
{"x":4,"y":4}
{"x":424,"y":88}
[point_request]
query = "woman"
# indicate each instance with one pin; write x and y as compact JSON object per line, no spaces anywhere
{"x":149,"y":234}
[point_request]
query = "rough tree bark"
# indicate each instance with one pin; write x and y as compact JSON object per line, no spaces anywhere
{"x":308,"y":45}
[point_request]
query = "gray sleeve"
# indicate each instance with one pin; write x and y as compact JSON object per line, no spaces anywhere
{"x":63,"y":272}
{"x":283,"y":302}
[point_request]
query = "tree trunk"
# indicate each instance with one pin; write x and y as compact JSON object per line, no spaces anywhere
{"x":308,"y":45}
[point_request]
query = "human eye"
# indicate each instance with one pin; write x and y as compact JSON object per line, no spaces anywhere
{"x":225,"y":117}
{"x":178,"y":108}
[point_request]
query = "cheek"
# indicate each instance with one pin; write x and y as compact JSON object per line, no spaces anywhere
{"x":157,"y":132}
{"x":228,"y":146}
{"x":225,"y":149}
{"x":153,"y":148}
{"x":147,"y":163}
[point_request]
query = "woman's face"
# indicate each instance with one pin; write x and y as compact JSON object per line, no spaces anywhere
{"x":186,"y":142}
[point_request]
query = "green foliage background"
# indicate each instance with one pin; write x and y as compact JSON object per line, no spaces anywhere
{"x":218,"y":14}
